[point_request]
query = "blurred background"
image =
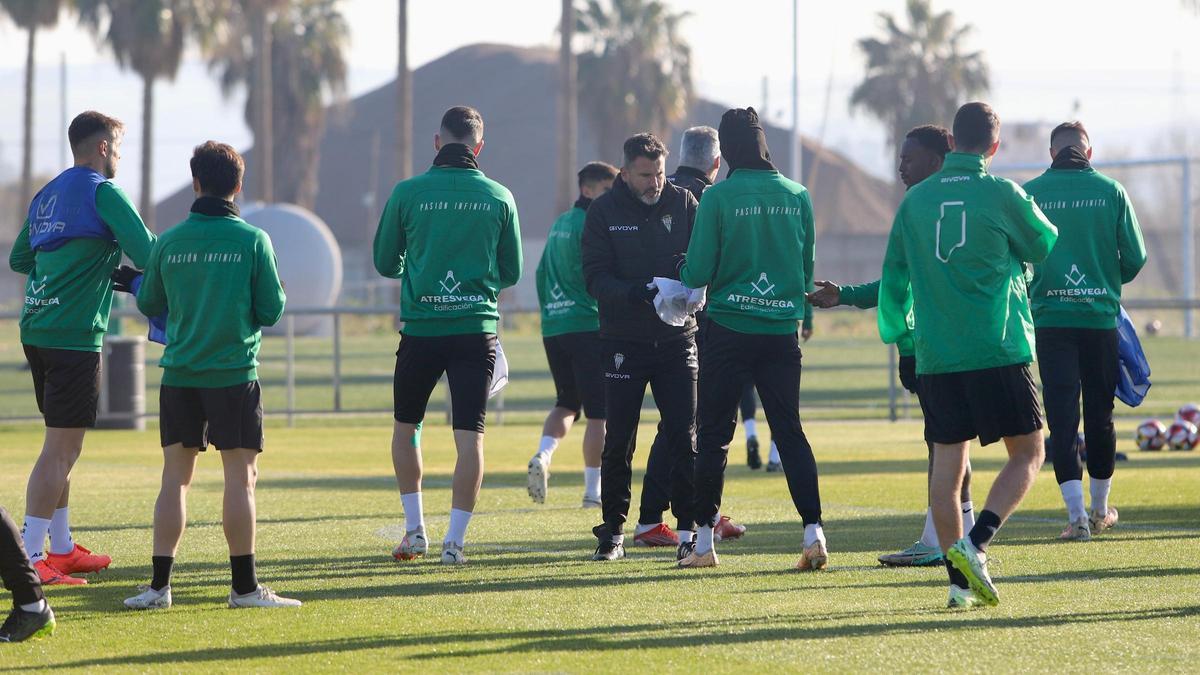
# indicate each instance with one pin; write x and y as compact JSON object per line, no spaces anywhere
{"x":333,"y":101}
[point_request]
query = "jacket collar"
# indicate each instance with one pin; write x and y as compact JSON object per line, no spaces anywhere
{"x":964,"y":162}
{"x":692,"y":172}
{"x":215,"y":207}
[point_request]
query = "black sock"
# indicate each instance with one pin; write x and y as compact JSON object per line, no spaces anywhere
{"x":956,"y":577}
{"x":162,"y":571}
{"x":245,"y":580}
{"x":985,"y":528}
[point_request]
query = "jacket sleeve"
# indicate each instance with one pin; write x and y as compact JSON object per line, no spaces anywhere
{"x":390,"y":242}
{"x":267,"y":294}
{"x":599,"y":261}
{"x":1130,"y":245}
{"x":1030,"y":234}
{"x":809,"y":254}
{"x":22,"y":258}
{"x":539,"y":275}
{"x":704,"y":247}
{"x":895,"y":293}
{"x":862,"y":296}
{"x":152,"y":295}
{"x":509,"y":259}
{"x":115,"y":209}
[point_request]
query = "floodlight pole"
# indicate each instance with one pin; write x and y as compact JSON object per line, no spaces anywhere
{"x":797,"y":146}
{"x":1189,"y":248}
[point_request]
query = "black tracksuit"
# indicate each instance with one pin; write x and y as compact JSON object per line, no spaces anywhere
{"x":1074,"y":361}
{"x":19,"y":576}
{"x":625,"y":243}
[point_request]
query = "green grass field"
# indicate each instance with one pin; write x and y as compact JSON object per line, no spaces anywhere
{"x":529,"y":600}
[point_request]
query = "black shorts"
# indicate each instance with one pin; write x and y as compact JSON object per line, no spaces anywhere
{"x":227,"y":417}
{"x":990,"y":404}
{"x":578,"y":374}
{"x":468,"y":362}
{"x":67,"y":385}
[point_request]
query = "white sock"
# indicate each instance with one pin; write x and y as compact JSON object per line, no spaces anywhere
{"x":548,"y":446}
{"x":1072,"y":493}
{"x":774,"y":458}
{"x":61,"y":542}
{"x":685,"y":535}
{"x":749,"y":426}
{"x":1100,"y":488}
{"x":591,"y":482}
{"x":704,"y":539}
{"x":38,"y":606}
{"x":968,"y":517}
{"x":929,"y":534}
{"x":645,"y":527}
{"x":812,"y":534}
{"x":457,"y":533}
{"x":34,"y":536}
{"x":618,"y":539}
{"x":414,"y":512}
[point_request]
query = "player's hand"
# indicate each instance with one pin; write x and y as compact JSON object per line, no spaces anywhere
{"x":123,"y":278}
{"x":643,"y":292}
{"x":828,"y":295}
{"x":806,"y":333}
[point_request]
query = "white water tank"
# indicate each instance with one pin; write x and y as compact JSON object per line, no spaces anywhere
{"x":309,"y":258}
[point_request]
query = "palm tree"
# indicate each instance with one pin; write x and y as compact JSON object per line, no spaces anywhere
{"x":568,"y":102}
{"x":146,"y":36}
{"x":308,"y":66}
{"x":636,"y":72}
{"x":403,"y":99}
{"x":30,"y":15}
{"x":918,"y":74}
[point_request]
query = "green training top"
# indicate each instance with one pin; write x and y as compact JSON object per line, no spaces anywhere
{"x":452,"y":236}
{"x":752,"y":245}
{"x":1099,"y":248}
{"x":562,"y":293}
{"x":216,"y":277}
{"x":954,"y":273}
{"x":68,"y":295}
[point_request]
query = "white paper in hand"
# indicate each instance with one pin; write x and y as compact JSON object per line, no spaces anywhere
{"x":697,"y":298}
{"x":499,"y":372}
{"x":671,"y":302}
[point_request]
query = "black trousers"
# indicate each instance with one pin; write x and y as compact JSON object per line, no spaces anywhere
{"x":18,"y":575}
{"x":670,"y":370}
{"x":1076,"y":361}
{"x":731,"y":359}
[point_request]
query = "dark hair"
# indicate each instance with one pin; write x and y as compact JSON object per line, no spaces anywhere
{"x":88,"y":124}
{"x":596,"y":172}
{"x":976,"y":127}
{"x":463,"y":124}
{"x":1073,"y":125}
{"x":643,"y":145}
{"x":218,"y":168}
{"x":931,"y":137}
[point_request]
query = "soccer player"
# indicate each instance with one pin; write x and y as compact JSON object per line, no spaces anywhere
{"x":31,"y":616}
{"x":753,"y":248}
{"x":215,"y":276}
{"x":78,"y":227}
{"x":1076,"y":298}
{"x":957,"y":249}
{"x":921,"y":155}
{"x":635,"y":232}
{"x":571,"y":337}
{"x":452,"y":236}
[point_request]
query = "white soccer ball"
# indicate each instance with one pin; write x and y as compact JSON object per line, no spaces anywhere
{"x":1189,"y":413}
{"x":1182,"y":435}
{"x":1151,"y":435}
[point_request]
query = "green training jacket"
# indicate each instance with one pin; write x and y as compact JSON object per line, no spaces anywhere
{"x":954,"y":269}
{"x":68,"y":293}
{"x":562,"y":293}
{"x":1099,"y":248}
{"x":752,"y":245}
{"x":452,"y":236}
{"x":216,"y":277}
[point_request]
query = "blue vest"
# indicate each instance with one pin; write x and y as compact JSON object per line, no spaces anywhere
{"x":66,"y":209}
{"x":1134,"y":379}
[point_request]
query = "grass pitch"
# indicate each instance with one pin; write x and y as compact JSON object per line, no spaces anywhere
{"x":529,"y":600}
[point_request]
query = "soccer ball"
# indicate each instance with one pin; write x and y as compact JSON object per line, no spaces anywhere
{"x":1151,"y":435}
{"x":1189,"y":413}
{"x":1182,"y":435}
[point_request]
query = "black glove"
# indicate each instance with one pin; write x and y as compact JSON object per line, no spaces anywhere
{"x":639,"y":293}
{"x":123,"y":278}
{"x":908,"y":372}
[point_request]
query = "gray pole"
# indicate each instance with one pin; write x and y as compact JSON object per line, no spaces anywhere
{"x":568,"y":102}
{"x":797,"y":145}
{"x":62,"y":97}
{"x":1189,"y":249}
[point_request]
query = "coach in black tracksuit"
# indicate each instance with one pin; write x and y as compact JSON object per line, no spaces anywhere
{"x":639,"y":230}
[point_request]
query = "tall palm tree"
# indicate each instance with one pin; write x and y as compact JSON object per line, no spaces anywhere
{"x":568,"y":104}
{"x":636,"y":72}
{"x":919,"y":73}
{"x":308,"y":67}
{"x":30,"y":15}
{"x":403,"y":99}
{"x":146,"y":36}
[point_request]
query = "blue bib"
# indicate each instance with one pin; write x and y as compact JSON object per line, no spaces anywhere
{"x":66,"y":209}
{"x":1134,"y":379}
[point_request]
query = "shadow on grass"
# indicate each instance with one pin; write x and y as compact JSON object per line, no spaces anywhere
{"x":625,"y":637}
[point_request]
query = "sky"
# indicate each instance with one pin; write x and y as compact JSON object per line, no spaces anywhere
{"x":1131,"y":71}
